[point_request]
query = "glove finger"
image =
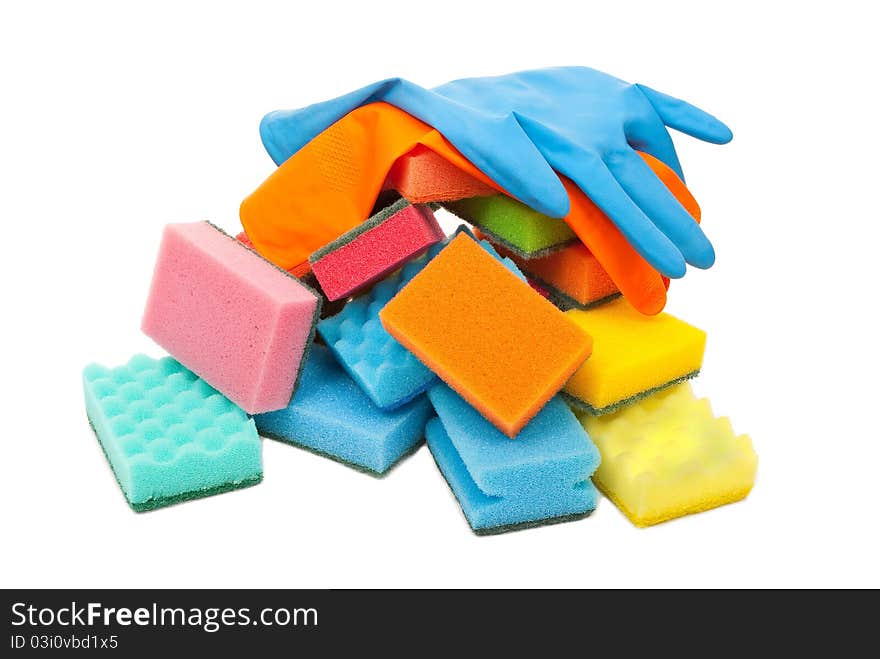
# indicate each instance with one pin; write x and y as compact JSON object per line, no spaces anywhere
{"x":676,"y":186}
{"x":663,"y":209}
{"x":592,"y":176}
{"x":687,"y":118}
{"x":653,"y":138}
{"x":641,"y":284}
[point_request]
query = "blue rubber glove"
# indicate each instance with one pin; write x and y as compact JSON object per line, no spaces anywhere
{"x":519,"y":128}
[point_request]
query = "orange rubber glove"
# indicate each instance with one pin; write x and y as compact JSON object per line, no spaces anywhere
{"x":329,"y":186}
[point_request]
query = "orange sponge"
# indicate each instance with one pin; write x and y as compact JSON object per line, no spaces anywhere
{"x":571,"y":274}
{"x":487,"y":334}
{"x":423,"y":176}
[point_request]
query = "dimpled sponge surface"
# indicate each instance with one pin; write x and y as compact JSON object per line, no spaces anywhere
{"x":330,"y":415}
{"x":633,"y":356}
{"x":571,"y":275}
{"x":517,"y":509}
{"x":509,"y":222}
{"x":668,"y":456}
{"x":168,"y":435}
{"x":486,"y":333}
{"x":230,"y":316}
{"x":369,"y":251}
{"x":423,"y":176}
{"x":387,"y":372}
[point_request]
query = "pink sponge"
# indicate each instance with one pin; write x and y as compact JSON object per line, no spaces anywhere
{"x":422,"y":176}
{"x":228,"y":315}
{"x":368,"y":252}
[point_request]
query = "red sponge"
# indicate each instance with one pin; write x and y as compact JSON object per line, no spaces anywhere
{"x":368,"y":252}
{"x":422,"y":176}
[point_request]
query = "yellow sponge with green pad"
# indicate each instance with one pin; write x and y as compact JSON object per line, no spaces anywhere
{"x":668,"y":456}
{"x":633,"y":356}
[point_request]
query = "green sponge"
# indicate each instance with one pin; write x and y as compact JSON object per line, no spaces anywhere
{"x":514,"y":225}
{"x":167,"y":434}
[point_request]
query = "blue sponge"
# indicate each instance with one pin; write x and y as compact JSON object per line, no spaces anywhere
{"x":552,"y":449}
{"x":168,"y":435}
{"x":329,"y":414}
{"x":387,"y":372}
{"x":541,"y":476}
{"x":489,"y":514}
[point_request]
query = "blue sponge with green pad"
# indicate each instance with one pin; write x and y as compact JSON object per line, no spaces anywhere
{"x":542,"y":476}
{"x":387,"y":372}
{"x":167,"y":434}
{"x":331,"y":416}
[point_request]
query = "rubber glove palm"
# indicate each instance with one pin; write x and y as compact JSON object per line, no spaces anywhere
{"x":524,"y":128}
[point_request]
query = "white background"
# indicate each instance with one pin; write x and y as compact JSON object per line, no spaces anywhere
{"x":116,"y":121}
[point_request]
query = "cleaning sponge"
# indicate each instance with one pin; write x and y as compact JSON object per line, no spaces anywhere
{"x":540,"y":477}
{"x":572,"y":276}
{"x":387,"y":372}
{"x":423,"y":176}
{"x":669,"y":456}
{"x":168,"y":435}
{"x":376,"y":247}
{"x":525,"y":232}
{"x":330,"y":415}
{"x":230,"y":316}
{"x":486,"y":333}
{"x":633,"y":356}
{"x":552,"y":449}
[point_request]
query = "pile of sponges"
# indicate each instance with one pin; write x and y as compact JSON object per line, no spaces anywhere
{"x":506,"y":346}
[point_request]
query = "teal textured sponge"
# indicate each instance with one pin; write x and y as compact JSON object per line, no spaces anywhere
{"x":330,"y":415}
{"x":167,"y":434}
{"x":387,"y":372}
{"x":541,"y":476}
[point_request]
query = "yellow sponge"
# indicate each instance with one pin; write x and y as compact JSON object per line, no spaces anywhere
{"x":669,"y":456}
{"x":633,"y":356}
